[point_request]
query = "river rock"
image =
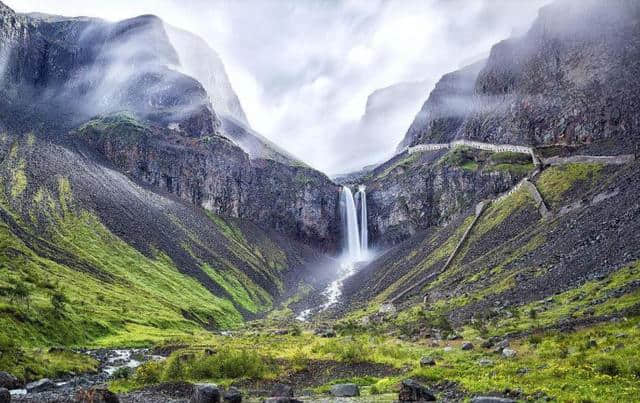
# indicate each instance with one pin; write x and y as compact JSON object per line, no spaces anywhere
{"x":282,"y":390}
{"x":412,"y":391}
{"x":40,"y":386}
{"x":345,"y":390}
{"x":491,"y":399}
{"x":233,"y":395}
{"x":467,"y":346}
{"x":9,"y":381}
{"x":5,"y":396}
{"x":208,"y":393}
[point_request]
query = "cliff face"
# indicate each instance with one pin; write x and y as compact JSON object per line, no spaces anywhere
{"x":214,"y":173}
{"x":571,"y":79}
{"x":60,"y":73}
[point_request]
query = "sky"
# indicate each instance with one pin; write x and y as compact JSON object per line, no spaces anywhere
{"x":303,"y":69}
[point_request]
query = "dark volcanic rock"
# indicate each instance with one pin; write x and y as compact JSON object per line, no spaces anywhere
{"x":206,"y":394}
{"x":5,"y":396}
{"x":233,"y":395}
{"x":412,"y":391}
{"x":9,"y":381}
{"x":345,"y":390}
{"x":282,"y":390}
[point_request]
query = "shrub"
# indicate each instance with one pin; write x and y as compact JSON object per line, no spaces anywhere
{"x":533,"y":314}
{"x":122,"y":373}
{"x":608,"y":366}
{"x":149,"y":372}
{"x":58,"y":302}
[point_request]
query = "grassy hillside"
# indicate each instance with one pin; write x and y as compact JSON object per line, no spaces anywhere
{"x":67,"y":279}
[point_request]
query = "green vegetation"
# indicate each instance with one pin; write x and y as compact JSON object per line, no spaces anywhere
{"x":555,"y":181}
{"x":405,"y":162}
{"x":462,"y":157}
{"x":122,"y":127}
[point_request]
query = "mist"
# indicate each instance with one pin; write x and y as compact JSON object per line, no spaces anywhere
{"x":303,"y":71}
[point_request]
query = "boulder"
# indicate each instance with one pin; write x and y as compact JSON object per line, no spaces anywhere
{"x":508,"y":353}
{"x":491,"y":399}
{"x":5,"y":396}
{"x":233,"y":395}
{"x":9,"y":381}
{"x":282,"y":390}
{"x":427,"y":361}
{"x":40,"y":386}
{"x":345,"y":390}
{"x":97,"y":394}
{"x":467,"y":346}
{"x":412,"y":391}
{"x":208,"y":393}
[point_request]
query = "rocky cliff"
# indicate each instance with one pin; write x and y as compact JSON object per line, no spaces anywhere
{"x":153,"y":121}
{"x":571,"y":79}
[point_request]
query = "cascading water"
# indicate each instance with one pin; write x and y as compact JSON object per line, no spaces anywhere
{"x":364,"y":232}
{"x":350,"y":225}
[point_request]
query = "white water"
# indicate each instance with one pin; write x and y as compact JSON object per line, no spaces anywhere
{"x":350,"y":226}
{"x":364,"y":231}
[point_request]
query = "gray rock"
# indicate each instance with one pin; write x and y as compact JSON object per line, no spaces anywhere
{"x":491,"y":399}
{"x":412,"y":391}
{"x":9,"y":381}
{"x":427,"y":361}
{"x":97,"y":394}
{"x":345,"y":390}
{"x":509,"y":353}
{"x":281,"y":400}
{"x":40,"y":386}
{"x":5,"y":396}
{"x":282,"y":390}
{"x":208,"y":393}
{"x":503,"y":344}
{"x":233,"y":395}
{"x":484,"y":362}
{"x":467,"y":346}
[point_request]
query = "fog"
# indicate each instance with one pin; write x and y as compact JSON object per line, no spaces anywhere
{"x":303,"y":69}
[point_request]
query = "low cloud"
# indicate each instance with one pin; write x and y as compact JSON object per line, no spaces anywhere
{"x":303,"y":70}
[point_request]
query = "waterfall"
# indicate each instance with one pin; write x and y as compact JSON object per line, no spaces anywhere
{"x":364,"y":232}
{"x":350,"y":225}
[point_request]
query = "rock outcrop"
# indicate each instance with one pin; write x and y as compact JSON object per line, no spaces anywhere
{"x":571,"y":79}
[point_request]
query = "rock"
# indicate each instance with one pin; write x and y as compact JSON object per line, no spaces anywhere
{"x":207,"y":393}
{"x":467,"y":346}
{"x":387,"y":308}
{"x":491,"y":399}
{"x":40,"y":386}
{"x":412,"y":391}
{"x":325,"y":332}
{"x":484,"y":362}
{"x":282,"y":390}
{"x":509,"y":353}
{"x":454,"y":336}
{"x":345,"y":390}
{"x":503,"y":344}
{"x":233,"y":395}
{"x":447,"y":349}
{"x":487,"y":344}
{"x":427,"y":361}
{"x":5,"y":396}
{"x":97,"y":394}
{"x":281,"y":400}
{"x":280,"y":332}
{"x":9,"y":381}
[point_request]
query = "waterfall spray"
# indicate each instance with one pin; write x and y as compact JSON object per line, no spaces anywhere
{"x":364,"y":232}
{"x":350,"y":225}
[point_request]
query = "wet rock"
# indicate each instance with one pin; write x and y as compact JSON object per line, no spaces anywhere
{"x":40,"y":386}
{"x":509,"y":353}
{"x":412,"y":391}
{"x":282,"y":390}
{"x":467,"y":346}
{"x":491,"y":399}
{"x":345,"y":390}
{"x":9,"y":381}
{"x":97,"y":394}
{"x":208,"y":393}
{"x":427,"y":361}
{"x":5,"y":396}
{"x":233,"y":395}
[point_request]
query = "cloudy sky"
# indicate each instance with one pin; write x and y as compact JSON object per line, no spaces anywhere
{"x":303,"y":69}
